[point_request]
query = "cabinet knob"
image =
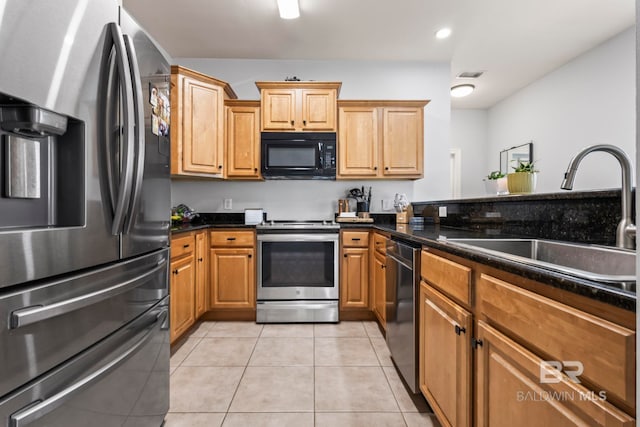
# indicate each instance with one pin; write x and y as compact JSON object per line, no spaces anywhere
{"x":255,"y":169}
{"x":304,"y":122}
{"x":460,"y":330}
{"x":250,"y":255}
{"x":345,"y":255}
{"x":375,"y":168}
{"x":200,"y":259}
{"x":383,"y":266}
{"x":219,"y":166}
{"x":175,"y":271}
{"x":292,"y":123}
{"x":386,"y":168}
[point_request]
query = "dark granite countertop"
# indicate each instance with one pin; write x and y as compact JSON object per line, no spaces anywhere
{"x":435,"y":236}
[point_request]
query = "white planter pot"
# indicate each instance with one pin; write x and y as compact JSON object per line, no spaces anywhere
{"x":496,"y":186}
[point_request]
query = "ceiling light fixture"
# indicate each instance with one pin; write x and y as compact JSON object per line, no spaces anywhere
{"x":443,"y":33}
{"x":288,"y":9}
{"x":460,"y":91}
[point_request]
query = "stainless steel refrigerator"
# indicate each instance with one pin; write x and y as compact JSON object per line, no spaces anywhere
{"x":84,"y":217}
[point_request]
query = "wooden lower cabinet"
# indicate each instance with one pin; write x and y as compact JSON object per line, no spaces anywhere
{"x":182,"y":289}
{"x":379,"y":271}
{"x":509,"y":390}
{"x":201,"y":282}
{"x":445,"y":357}
{"x":354,"y":278}
{"x":232,"y":278}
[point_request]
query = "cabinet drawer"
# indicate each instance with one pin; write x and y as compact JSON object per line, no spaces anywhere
{"x":563,"y":333}
{"x":450,"y":277}
{"x":355,"y":239}
{"x":232,"y":238}
{"x":182,"y":244}
{"x":380,"y":243}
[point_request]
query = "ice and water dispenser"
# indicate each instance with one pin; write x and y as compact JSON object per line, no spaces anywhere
{"x":42,"y":167}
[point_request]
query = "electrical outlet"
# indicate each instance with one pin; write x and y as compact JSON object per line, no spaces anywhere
{"x":442,"y":211}
{"x":387,"y":205}
{"x":228,"y":203}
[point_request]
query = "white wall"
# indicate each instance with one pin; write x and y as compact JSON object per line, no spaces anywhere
{"x":590,"y":100}
{"x":469,"y":134}
{"x":360,"y":80}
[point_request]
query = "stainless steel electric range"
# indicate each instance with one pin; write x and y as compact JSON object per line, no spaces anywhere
{"x":297,"y":271}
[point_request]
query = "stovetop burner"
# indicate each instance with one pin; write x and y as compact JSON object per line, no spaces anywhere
{"x":298,"y":225}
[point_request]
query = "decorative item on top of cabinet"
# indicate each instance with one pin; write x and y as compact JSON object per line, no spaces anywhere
{"x":242,"y":130}
{"x":354,"y":275}
{"x":197,"y":123}
{"x":299,"y":106}
{"x":380,"y":139}
{"x":233,"y":275}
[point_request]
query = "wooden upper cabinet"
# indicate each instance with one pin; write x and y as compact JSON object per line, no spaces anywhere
{"x":243,"y":139}
{"x":380,"y":139}
{"x":197,"y":123}
{"x":358,"y":142}
{"x":403,"y":141}
{"x":299,"y":106}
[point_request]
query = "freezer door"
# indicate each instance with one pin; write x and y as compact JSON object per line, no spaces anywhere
{"x":43,"y":325}
{"x":147,"y":222}
{"x":51,"y":62}
{"x":121,"y":381}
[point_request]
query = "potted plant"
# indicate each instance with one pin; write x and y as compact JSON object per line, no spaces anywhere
{"x":496,"y":183}
{"x":523,"y":178}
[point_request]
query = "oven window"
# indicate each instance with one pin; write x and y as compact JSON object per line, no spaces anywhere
{"x":288,"y":264}
{"x":283,"y":157}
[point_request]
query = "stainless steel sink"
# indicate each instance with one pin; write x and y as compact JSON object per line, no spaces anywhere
{"x":613,"y":266}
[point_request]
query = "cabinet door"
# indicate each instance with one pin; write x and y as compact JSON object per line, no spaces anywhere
{"x":278,"y":109}
{"x":201,"y":273}
{"x":379,"y":288}
{"x":318,"y":109}
{"x":243,"y":142}
{"x":182,"y":299}
{"x":358,"y":142}
{"x":203,"y":132}
{"x":445,"y":357}
{"x":403,"y":141}
{"x":232,"y":278}
{"x":509,"y":390}
{"x":354,"y":278}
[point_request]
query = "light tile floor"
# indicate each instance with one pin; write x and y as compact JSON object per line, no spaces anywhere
{"x":236,"y":374}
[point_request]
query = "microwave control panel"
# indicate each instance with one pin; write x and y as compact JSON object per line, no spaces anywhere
{"x":330,"y":156}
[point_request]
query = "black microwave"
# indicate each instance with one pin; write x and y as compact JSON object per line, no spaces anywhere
{"x":298,"y":155}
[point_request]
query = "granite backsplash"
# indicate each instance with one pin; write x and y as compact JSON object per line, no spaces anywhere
{"x":588,"y":217}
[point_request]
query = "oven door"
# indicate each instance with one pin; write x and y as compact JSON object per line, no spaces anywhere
{"x":298,"y":266}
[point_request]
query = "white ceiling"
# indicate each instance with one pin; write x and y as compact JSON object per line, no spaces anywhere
{"x":514,"y":41}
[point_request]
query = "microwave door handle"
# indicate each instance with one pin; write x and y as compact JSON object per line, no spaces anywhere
{"x":127,"y":154}
{"x":320,"y":147}
{"x":139,"y":136}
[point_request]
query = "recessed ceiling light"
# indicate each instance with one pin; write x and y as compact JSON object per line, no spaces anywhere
{"x":288,"y":9}
{"x":460,"y":91}
{"x":443,"y":33}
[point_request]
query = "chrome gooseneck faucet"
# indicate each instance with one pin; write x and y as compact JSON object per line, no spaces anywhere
{"x":626,"y":231}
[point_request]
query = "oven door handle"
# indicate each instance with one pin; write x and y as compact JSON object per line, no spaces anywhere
{"x":298,"y":237}
{"x":40,"y":408}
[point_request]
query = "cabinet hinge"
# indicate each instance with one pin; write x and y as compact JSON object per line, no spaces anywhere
{"x":476,"y":343}
{"x":460,"y":330}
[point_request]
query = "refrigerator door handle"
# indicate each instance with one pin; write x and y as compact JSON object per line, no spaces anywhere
{"x":139,"y":133}
{"x":38,"y":409}
{"x":126,"y":177}
{"x":30,"y":315}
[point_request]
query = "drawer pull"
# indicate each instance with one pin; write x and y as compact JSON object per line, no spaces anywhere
{"x":185,"y":246}
{"x":231,"y":239}
{"x":355,"y":239}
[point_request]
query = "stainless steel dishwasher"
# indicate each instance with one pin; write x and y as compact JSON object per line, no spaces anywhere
{"x":403,"y":280}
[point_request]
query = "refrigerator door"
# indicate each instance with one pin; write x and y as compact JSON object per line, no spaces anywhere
{"x":123,"y":381}
{"x":43,"y":325}
{"x":147,"y":223}
{"x":50,"y":68}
